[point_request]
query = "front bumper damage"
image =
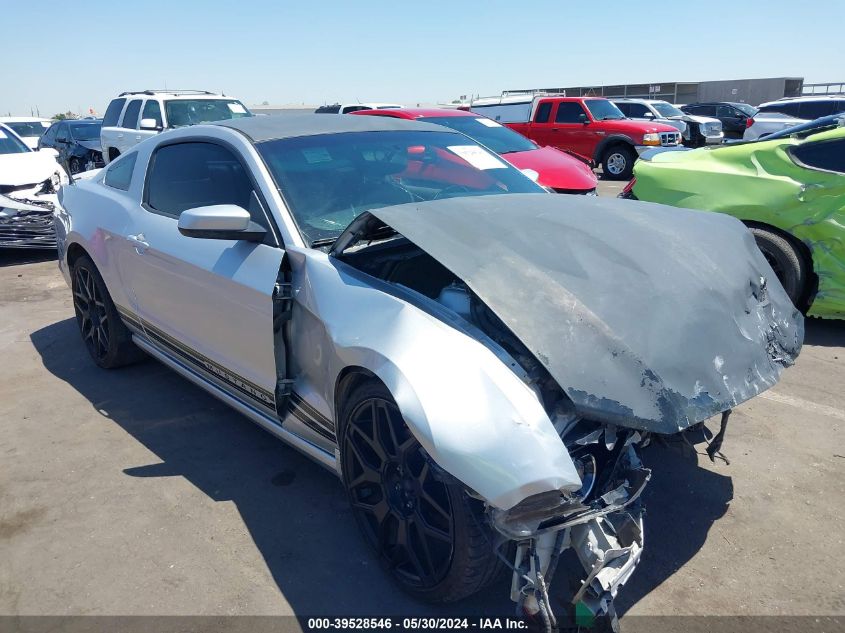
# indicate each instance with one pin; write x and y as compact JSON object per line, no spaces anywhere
{"x":602,"y":523}
{"x":27,"y":222}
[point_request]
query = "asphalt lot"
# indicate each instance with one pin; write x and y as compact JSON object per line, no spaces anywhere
{"x":134,"y":492}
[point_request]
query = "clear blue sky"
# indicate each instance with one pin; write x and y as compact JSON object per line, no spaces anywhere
{"x":62,"y":56}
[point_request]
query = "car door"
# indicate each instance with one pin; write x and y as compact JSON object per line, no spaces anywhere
{"x":63,"y":141}
{"x":733,"y":121}
{"x":571,"y":129}
{"x":151,"y":113}
{"x":541,"y":125}
{"x":206,"y":302}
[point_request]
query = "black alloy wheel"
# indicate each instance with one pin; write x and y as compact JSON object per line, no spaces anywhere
{"x":425,"y":529}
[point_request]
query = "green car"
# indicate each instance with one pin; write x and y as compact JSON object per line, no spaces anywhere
{"x":788,"y":188}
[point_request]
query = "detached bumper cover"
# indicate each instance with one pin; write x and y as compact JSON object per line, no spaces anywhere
{"x":26,"y":223}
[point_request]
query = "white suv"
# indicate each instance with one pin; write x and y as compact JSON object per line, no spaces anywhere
{"x":135,"y":116}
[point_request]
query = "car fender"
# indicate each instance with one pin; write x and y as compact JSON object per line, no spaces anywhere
{"x":472,"y":414}
{"x":607,"y":142}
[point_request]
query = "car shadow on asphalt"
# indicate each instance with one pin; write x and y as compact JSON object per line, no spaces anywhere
{"x":15,"y":256}
{"x":824,"y":332}
{"x":296,"y":511}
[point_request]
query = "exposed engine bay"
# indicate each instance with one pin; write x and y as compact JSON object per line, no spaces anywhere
{"x":602,"y":521}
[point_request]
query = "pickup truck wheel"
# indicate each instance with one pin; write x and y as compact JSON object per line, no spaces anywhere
{"x":108,"y":340}
{"x":788,"y":264}
{"x":618,"y":162}
{"x":428,"y":533}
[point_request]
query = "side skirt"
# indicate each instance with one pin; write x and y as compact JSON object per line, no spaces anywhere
{"x":267,"y":422}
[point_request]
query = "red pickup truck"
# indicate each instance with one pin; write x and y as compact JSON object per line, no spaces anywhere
{"x":592,"y":128}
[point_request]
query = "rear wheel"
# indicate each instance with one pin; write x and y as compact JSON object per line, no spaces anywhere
{"x":618,"y":162}
{"x":430,"y":535}
{"x":75,"y":165}
{"x":787,"y":263}
{"x":108,"y":340}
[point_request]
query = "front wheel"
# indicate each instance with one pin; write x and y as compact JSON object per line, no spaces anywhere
{"x":787,"y":263}
{"x":108,"y":340}
{"x":429,"y":534}
{"x":75,"y":165}
{"x":618,"y":162}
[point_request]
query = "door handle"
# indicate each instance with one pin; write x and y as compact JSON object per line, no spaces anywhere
{"x":139,"y":242}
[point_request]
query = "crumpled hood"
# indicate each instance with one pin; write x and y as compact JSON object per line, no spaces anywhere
{"x":648,"y":316}
{"x":26,"y":168}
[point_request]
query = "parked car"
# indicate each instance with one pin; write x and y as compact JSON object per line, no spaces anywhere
{"x":135,"y":116}
{"x":807,"y":108}
{"x":28,"y":183}
{"x":28,"y":128}
{"x":77,"y":142}
{"x":349,"y":108}
{"x":789,"y":112}
{"x":477,"y":362}
{"x":548,"y":166}
{"x":591,"y":128}
{"x":788,"y":188}
{"x":735,"y":117}
{"x":696,"y":131}
{"x":766,"y":123}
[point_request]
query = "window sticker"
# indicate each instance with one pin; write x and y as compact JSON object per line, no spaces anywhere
{"x":237,"y":108}
{"x":477,"y":157}
{"x":316,"y":155}
{"x":2,"y":134}
{"x":488,"y":122}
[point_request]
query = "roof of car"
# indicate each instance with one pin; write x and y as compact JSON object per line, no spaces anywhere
{"x":267,"y":128}
{"x":22,"y":119}
{"x":804,"y":99}
{"x":416,"y":113}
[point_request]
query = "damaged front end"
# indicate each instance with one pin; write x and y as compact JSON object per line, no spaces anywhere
{"x":27,"y":222}
{"x":602,"y":523}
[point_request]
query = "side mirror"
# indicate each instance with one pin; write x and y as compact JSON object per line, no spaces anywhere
{"x":648,"y":115}
{"x":583,"y":118}
{"x":149,"y":124}
{"x":220,"y":222}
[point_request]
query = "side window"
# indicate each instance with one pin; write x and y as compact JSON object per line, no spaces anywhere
{"x":814,"y":109}
{"x":119,"y":173}
{"x":569,"y":112}
{"x":50,"y":135}
{"x":130,"y":117}
{"x":188,"y":175}
{"x":62,"y":134}
{"x":349,"y":109}
{"x":113,"y":112}
{"x":152,"y":110}
{"x":704,"y":110}
{"x":543,"y":112}
{"x":638,"y":110}
{"x":725,"y":112}
{"x":824,"y":155}
{"x":784,"y":108}
{"x":625,"y":107}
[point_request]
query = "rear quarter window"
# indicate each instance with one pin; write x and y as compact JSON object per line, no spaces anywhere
{"x":119,"y":173}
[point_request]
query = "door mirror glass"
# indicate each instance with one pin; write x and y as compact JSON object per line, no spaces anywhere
{"x":583,"y":118}
{"x":220,"y":222}
{"x":648,"y":115}
{"x":149,"y":124}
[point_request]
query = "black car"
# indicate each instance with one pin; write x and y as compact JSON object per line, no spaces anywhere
{"x":734,"y":116}
{"x":78,"y":143}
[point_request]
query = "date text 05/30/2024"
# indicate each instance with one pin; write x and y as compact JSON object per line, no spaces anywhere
{"x":412,"y":624}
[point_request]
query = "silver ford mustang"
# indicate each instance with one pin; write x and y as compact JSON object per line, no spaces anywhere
{"x":477,"y":360}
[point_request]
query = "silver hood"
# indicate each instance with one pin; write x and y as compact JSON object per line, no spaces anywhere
{"x":647,"y":316}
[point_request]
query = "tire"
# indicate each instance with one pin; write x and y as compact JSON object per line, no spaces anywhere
{"x":74,"y":165}
{"x":105,"y":336}
{"x":788,"y":264}
{"x":429,"y":534}
{"x":618,"y":162}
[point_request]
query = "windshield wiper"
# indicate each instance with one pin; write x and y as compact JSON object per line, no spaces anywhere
{"x":326,"y":241}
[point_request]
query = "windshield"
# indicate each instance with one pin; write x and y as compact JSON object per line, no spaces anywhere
{"x":486,"y":131}
{"x":329,"y":179}
{"x":28,"y":129}
{"x":10,"y":144}
{"x":603,"y":110}
{"x":85,"y":131}
{"x":666,"y":109}
{"x":183,"y":112}
{"x":745,"y":108}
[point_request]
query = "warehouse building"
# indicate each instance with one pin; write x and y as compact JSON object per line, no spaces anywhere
{"x":753,"y":91}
